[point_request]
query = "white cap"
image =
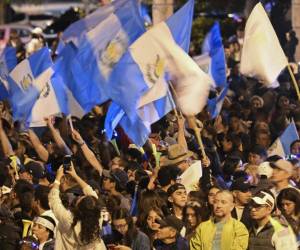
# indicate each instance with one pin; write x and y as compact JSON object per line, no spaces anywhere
{"x":264,"y":198}
{"x":37,"y":31}
{"x":265,"y":169}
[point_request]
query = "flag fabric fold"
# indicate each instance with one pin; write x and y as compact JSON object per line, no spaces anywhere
{"x":214,"y":105}
{"x":262,"y":56}
{"x":82,"y":95}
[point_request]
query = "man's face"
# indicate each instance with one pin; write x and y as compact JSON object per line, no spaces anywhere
{"x":179,"y":198}
{"x":263,"y":140}
{"x":121,"y":226}
{"x":212,"y":195}
{"x":255,"y":159}
{"x":242,"y":197}
{"x":166,"y":233}
{"x":234,"y":123}
{"x":259,"y":212}
{"x":295,"y":148}
{"x":108,"y":184}
{"x":279,"y":175}
{"x":223,"y":205}
{"x":26,"y":176}
{"x":227,"y":145}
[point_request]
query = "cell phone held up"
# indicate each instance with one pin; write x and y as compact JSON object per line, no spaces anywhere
{"x":67,"y":163}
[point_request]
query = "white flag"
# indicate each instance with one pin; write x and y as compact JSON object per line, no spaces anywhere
{"x":262,"y":55}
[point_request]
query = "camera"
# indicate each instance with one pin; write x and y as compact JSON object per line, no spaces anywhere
{"x":67,"y":162}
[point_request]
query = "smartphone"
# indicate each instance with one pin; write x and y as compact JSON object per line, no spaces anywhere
{"x":67,"y":162}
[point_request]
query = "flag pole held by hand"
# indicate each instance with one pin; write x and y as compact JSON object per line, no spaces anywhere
{"x":192,"y":124}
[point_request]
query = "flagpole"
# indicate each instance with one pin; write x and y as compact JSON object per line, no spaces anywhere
{"x":192,"y":123}
{"x":175,"y":95}
{"x":294,"y":81}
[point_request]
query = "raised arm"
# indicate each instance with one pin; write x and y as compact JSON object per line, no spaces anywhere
{"x":6,"y":146}
{"x":57,"y":137}
{"x":38,"y":146}
{"x":181,"y":135}
{"x":88,"y":153}
{"x":86,"y":188}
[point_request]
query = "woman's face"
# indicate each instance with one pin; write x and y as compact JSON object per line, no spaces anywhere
{"x":191,"y":217}
{"x":121,"y":226}
{"x":288,"y":207}
{"x":40,"y":232}
{"x":151,"y":220}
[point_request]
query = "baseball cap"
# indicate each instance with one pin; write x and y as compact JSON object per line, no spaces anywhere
{"x":283,"y":165}
{"x":174,"y":188}
{"x":117,"y":175}
{"x":264,"y":198}
{"x":240,"y":185}
{"x":171,"y":221}
{"x":265,"y":169}
{"x":34,"y":168}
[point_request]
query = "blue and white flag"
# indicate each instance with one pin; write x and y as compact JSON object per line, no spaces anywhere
{"x":282,"y":144}
{"x":76,"y":30}
{"x":52,"y":100}
{"x":152,"y":111}
{"x":139,"y":130}
{"x":213,"y":48}
{"x":27,"y":80}
{"x":103,"y":46}
{"x":8,"y":60}
{"x":82,"y":95}
{"x":214,"y":105}
{"x":144,"y":72}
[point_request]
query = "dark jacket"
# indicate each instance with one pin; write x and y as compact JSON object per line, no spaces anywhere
{"x":245,"y":219}
{"x":180,"y":244}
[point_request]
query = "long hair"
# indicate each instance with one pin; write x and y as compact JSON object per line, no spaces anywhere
{"x":87,"y":212}
{"x":290,"y":194}
{"x":132,"y":232}
{"x":293,"y":195}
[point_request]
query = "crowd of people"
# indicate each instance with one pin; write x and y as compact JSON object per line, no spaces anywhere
{"x":71,"y":188}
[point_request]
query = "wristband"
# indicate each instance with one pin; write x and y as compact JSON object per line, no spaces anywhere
{"x":81,"y":144}
{"x":57,"y":182}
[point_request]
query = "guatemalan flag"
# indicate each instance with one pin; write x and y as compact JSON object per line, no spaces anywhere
{"x":102,"y":47}
{"x":144,"y":72}
{"x":8,"y":60}
{"x":138,"y":130}
{"x":76,"y":30}
{"x":53,"y":99}
{"x":32,"y":86}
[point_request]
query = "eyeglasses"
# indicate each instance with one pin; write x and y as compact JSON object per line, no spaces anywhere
{"x":257,"y":207}
{"x":120,"y":226}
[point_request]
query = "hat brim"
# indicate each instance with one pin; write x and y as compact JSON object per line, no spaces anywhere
{"x":259,"y":201}
{"x":165,"y":161}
